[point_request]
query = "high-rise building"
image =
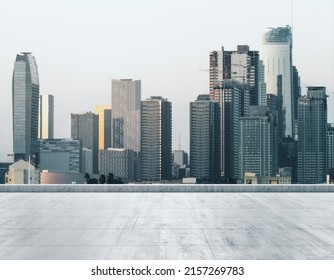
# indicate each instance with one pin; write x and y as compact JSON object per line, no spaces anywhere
{"x":125,"y":100}
{"x":241,"y":65}
{"x":205,"y":139}
{"x":64,"y":155}
{"x":46,"y":117}
{"x":312,"y":128}
{"x":25,"y":106}
{"x":104,"y":113}
{"x":156,"y":139}
{"x":232,"y":108}
{"x":330,"y":145}
{"x":85,"y":127}
{"x":258,"y":142}
{"x":276,"y":54}
{"x":296,"y":93}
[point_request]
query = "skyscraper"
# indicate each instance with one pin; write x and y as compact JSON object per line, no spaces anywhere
{"x":276,"y":54}
{"x":258,"y":142}
{"x":205,"y":139}
{"x":25,"y":89}
{"x":312,"y":128}
{"x":330,"y":146}
{"x":46,"y":117}
{"x":104,"y":113}
{"x":233,"y":106}
{"x":85,"y":127}
{"x":241,"y":65}
{"x":126,"y":95}
{"x":156,"y":139}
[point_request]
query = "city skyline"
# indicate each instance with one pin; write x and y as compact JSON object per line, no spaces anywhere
{"x":171,"y":60}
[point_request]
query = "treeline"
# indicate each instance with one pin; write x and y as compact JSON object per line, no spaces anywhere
{"x":109,"y":179}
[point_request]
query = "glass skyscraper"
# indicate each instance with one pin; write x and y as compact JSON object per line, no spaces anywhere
{"x":276,"y":54}
{"x":312,"y":129}
{"x":205,"y":139}
{"x":25,"y":90}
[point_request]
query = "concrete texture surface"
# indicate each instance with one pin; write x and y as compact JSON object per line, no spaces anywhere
{"x":166,"y":226}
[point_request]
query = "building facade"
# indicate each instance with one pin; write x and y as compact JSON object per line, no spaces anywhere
{"x":312,"y":129}
{"x":22,"y":172}
{"x":276,"y":54}
{"x":25,"y":96}
{"x":156,"y":139}
{"x":330,"y":145}
{"x":46,"y":117}
{"x":125,"y":100}
{"x":258,"y":146}
{"x":63,"y":155}
{"x":232,"y":108}
{"x":85,"y":127}
{"x":241,"y":65}
{"x":205,"y":139}
{"x":119,"y":162}
{"x":104,"y":113}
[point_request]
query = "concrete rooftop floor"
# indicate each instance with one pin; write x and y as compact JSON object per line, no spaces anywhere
{"x":166,"y":226}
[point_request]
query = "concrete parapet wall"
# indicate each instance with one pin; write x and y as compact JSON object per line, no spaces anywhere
{"x":167,"y":188}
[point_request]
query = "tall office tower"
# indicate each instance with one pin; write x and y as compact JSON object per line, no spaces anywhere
{"x":296,"y":93}
{"x":241,"y":65}
{"x":104,"y":113}
{"x":330,"y":146}
{"x":312,"y":128}
{"x":64,"y":155}
{"x":258,"y":142}
{"x":276,"y":54}
{"x":46,"y":117}
{"x":205,"y":139}
{"x":231,"y":111}
{"x":156,"y":139}
{"x":85,"y":127}
{"x":126,"y":95}
{"x":25,"y":89}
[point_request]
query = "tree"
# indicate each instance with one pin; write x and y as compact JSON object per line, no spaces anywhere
{"x":93,"y":181}
{"x":102,"y":179}
{"x":87,"y":178}
{"x":110,"y":178}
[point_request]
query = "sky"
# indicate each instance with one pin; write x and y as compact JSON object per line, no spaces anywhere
{"x":80,"y":45}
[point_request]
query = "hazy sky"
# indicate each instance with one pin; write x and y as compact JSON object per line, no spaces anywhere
{"x":80,"y":46}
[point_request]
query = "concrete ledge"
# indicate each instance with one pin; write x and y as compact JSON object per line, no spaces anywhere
{"x":167,"y":188}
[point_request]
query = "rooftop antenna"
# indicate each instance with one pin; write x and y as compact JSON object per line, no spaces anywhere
{"x":179,"y":142}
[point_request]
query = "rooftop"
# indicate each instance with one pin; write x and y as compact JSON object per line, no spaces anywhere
{"x":166,"y":225}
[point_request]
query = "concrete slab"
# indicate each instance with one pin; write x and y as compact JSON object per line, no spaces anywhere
{"x":164,"y":225}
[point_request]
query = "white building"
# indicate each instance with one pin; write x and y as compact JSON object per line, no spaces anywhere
{"x":19,"y":173}
{"x":276,"y":54}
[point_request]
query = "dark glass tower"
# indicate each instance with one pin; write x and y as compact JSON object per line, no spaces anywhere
{"x":205,"y":139}
{"x":312,"y":128}
{"x":25,"y":89}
